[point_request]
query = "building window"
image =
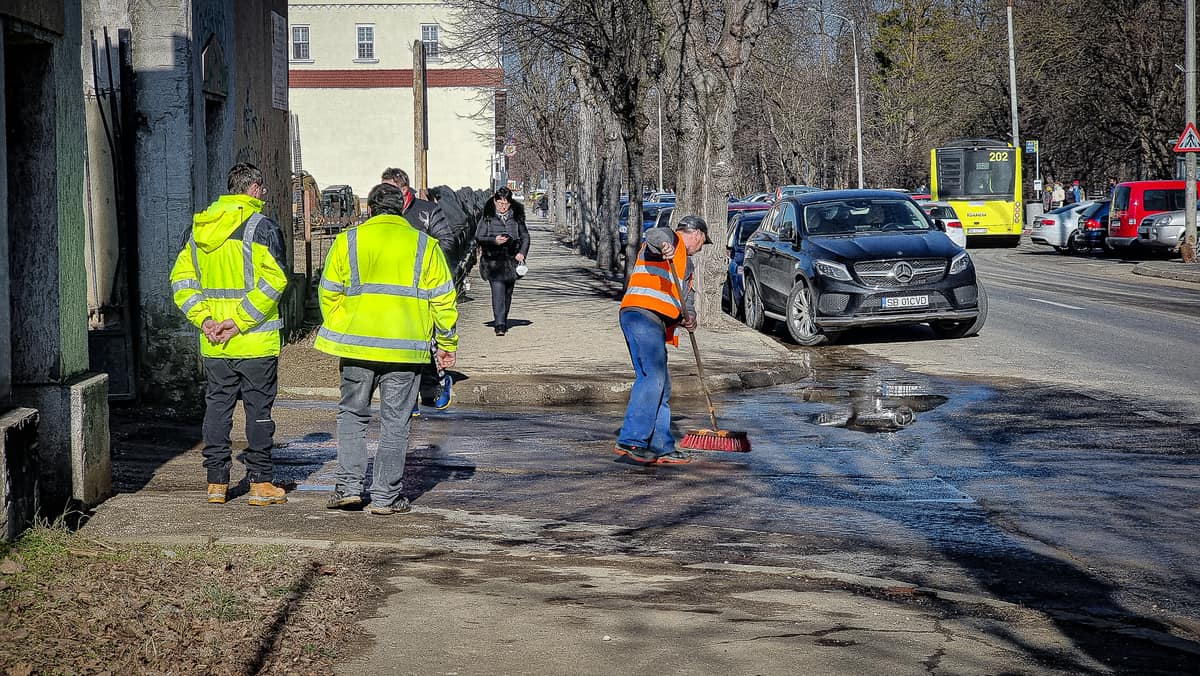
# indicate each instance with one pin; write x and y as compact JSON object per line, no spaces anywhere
{"x":366,"y":42}
{"x":300,"y":43}
{"x":429,"y":36}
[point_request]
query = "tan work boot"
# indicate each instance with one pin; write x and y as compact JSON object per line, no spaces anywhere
{"x":216,"y":493}
{"x":266,"y":493}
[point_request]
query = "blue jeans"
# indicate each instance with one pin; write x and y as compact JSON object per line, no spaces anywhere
{"x":648,"y":416}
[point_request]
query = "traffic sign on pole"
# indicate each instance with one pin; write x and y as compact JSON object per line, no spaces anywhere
{"x":1189,"y":140}
{"x":1031,"y":147}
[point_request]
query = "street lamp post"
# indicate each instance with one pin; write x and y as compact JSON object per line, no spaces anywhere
{"x":857,"y":90}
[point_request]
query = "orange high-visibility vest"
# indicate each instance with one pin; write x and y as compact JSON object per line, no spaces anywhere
{"x":652,"y":288}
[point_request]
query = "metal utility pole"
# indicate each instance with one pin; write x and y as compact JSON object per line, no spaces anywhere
{"x":1012,"y":79}
{"x":421,"y":122}
{"x":857,"y":88}
{"x":1188,"y":250}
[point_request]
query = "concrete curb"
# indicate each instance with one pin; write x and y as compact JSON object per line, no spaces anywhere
{"x":543,"y":390}
{"x":1167,"y":270}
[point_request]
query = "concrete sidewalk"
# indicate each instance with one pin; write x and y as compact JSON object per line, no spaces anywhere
{"x":525,"y":554}
{"x":1177,"y":270}
{"x":564,"y":345}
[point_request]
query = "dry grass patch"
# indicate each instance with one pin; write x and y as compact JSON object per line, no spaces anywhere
{"x":73,"y":605}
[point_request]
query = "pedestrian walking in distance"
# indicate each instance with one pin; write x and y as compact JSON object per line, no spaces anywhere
{"x":228,"y":280}
{"x":385,"y":289}
{"x":652,"y":309}
{"x":503,"y":244}
{"x":426,"y":216}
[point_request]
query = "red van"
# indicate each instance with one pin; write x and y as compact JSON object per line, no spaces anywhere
{"x":1133,"y":201}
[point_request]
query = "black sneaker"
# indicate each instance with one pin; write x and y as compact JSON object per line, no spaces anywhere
{"x":634,"y":453}
{"x":339,"y":500}
{"x":673,"y":458}
{"x":398,"y":507}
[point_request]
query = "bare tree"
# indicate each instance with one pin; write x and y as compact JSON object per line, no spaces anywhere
{"x":708,"y":46}
{"x":613,"y":45}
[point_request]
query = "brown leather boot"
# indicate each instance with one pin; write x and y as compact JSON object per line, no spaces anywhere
{"x":266,"y":493}
{"x":216,"y":493}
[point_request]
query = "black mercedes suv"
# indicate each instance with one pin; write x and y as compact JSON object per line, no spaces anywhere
{"x":823,"y":262}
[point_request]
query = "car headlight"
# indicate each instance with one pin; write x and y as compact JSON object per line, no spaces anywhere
{"x":960,"y":262}
{"x":832,"y":270}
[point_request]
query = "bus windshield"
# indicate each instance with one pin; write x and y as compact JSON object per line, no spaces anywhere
{"x":976,"y":172}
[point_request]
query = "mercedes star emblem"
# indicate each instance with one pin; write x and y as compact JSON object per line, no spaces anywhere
{"x":903,"y":272}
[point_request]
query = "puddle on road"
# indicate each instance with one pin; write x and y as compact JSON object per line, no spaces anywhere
{"x":880,"y":406}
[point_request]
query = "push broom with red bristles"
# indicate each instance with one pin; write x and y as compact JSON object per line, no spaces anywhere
{"x":715,"y":439}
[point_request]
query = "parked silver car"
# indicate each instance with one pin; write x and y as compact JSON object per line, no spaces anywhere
{"x":1162,"y":231}
{"x":1054,"y":228}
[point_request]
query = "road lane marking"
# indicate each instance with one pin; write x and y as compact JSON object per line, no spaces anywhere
{"x":1050,"y":302}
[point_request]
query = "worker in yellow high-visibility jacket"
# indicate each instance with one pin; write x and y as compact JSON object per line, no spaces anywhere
{"x":385,"y":290}
{"x":228,"y":280}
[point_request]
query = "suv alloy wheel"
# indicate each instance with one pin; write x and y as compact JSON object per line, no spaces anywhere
{"x":756,"y":317}
{"x":967,"y":328}
{"x":800,"y":321}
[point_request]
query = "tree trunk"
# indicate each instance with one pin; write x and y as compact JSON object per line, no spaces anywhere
{"x":707,"y":57}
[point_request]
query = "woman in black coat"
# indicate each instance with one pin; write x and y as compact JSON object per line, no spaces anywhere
{"x":503,"y":243}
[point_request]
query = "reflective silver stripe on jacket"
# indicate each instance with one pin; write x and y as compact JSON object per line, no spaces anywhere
{"x":657,"y":272}
{"x":191,"y":302}
{"x":453,"y":331}
{"x":182,"y":284}
{"x":248,"y":249}
{"x":653,"y":293}
{"x":370,"y":341}
{"x":330,"y":285}
{"x":273,"y":325}
{"x":422,"y":242}
{"x":224,"y":293}
{"x":254,"y":312}
{"x":352,"y":250}
{"x":270,"y":291}
{"x":434,"y":293}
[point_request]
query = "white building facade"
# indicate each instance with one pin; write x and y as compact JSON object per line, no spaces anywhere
{"x":350,"y":87}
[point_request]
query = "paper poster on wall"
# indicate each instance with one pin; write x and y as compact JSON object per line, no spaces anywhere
{"x":279,"y":62}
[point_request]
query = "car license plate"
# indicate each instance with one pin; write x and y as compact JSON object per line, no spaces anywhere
{"x":894,"y":302}
{"x":976,"y":231}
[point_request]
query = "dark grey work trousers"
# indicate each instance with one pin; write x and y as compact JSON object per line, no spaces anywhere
{"x":501,"y":300}
{"x":256,"y":382}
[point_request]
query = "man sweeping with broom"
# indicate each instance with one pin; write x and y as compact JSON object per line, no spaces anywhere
{"x":654,"y":306}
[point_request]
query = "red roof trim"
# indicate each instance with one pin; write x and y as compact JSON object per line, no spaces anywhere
{"x":389,"y":78}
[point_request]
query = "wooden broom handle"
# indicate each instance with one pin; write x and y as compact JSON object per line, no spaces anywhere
{"x":712,"y":412}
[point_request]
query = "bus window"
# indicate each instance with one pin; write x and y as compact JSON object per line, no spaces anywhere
{"x":969,"y":172}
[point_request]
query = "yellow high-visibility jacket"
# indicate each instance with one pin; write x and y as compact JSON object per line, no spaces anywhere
{"x":385,"y":292}
{"x":231,"y":268}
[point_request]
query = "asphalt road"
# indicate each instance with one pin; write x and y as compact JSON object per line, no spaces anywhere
{"x":1088,"y":323}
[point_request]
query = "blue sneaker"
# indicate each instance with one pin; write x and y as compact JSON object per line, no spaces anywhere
{"x":445,"y":394}
{"x":416,"y":412}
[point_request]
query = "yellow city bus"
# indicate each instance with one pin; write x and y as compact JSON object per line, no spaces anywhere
{"x":981,"y":180}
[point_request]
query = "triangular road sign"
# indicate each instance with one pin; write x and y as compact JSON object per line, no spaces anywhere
{"x":1189,"y":140}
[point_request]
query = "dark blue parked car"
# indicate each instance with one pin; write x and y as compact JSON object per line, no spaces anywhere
{"x":742,"y":224}
{"x":649,"y":213}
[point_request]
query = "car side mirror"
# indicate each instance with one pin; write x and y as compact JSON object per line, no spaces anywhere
{"x":939,"y":224}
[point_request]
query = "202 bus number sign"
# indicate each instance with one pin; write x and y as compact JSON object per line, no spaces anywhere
{"x":998,"y":156}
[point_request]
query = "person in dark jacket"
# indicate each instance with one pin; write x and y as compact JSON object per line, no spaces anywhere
{"x":423,"y":215}
{"x":503,"y":244}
